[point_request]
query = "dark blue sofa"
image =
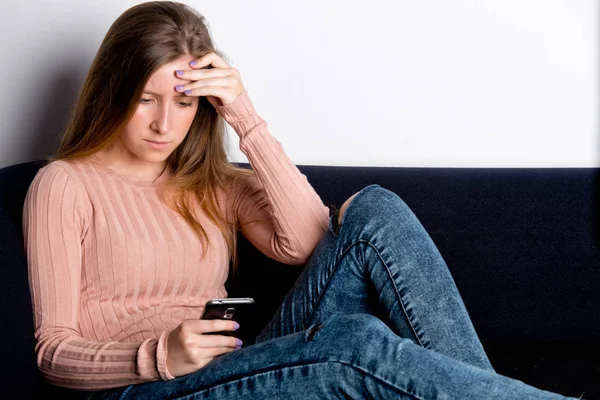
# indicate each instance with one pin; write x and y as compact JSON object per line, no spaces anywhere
{"x":522,"y":245}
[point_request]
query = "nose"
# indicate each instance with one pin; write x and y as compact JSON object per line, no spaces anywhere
{"x":161,"y":123}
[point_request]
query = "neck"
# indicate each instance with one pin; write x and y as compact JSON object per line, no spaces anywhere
{"x":122,"y":163}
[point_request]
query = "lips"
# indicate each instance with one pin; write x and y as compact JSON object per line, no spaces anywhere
{"x":155,"y":142}
{"x":156,"y":145}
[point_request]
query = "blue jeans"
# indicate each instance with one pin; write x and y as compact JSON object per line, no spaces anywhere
{"x":374,"y":314}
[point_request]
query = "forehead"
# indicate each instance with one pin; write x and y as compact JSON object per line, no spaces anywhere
{"x":163,"y":80}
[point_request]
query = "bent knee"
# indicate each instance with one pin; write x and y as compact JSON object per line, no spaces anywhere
{"x":345,"y":207}
{"x":376,"y":198}
{"x":346,"y":204}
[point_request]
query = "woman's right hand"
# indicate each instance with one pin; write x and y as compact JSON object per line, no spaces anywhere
{"x":189,"y":349}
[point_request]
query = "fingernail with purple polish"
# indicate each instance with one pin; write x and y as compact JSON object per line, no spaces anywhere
{"x":188,"y":91}
{"x":193,"y":62}
{"x":179,"y":72}
{"x":179,"y":87}
{"x":238,"y":343}
{"x":236,"y":325}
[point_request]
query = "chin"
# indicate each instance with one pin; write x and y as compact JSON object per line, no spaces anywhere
{"x":154,"y":157}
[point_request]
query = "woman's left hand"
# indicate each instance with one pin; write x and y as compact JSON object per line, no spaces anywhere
{"x":221,"y":84}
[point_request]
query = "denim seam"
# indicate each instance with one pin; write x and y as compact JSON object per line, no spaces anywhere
{"x":360,"y":370}
{"x":334,"y":270}
{"x":399,"y":297}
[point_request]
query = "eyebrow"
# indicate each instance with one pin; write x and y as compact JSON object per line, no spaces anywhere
{"x":158,"y":95}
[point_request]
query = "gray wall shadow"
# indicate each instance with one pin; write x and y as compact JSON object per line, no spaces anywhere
{"x":58,"y":100}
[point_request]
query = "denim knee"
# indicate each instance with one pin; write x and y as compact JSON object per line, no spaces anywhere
{"x":372,"y":204}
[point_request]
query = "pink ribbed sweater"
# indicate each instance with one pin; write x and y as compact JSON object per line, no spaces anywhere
{"x":113,"y":270}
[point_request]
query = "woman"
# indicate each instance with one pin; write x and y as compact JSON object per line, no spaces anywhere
{"x":130,"y":230}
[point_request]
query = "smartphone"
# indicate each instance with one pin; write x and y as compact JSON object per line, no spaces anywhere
{"x":238,"y":309}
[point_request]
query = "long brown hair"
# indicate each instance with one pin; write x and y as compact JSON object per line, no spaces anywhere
{"x":141,"y":40}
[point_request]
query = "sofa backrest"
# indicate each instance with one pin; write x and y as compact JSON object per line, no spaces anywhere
{"x":16,"y":332}
{"x":522,"y":245}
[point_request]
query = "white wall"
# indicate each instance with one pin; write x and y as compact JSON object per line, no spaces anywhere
{"x":396,"y":83}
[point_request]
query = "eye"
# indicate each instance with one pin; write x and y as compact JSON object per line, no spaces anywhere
{"x":145,"y":101}
{"x":184,"y":104}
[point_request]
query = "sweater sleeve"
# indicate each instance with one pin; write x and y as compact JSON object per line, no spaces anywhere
{"x":56,"y":216}
{"x":279,"y":211}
